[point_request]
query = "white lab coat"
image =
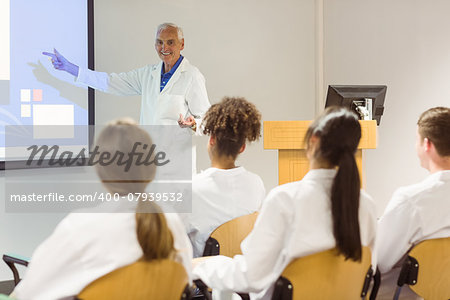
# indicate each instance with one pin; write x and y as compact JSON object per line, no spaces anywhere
{"x":295,"y":221}
{"x":185,"y":92}
{"x":219,"y":196}
{"x":415,"y":213}
{"x":86,"y":246}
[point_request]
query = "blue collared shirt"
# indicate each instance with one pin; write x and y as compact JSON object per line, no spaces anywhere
{"x":166,"y":77}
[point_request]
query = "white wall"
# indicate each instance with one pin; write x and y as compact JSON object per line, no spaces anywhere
{"x":259,"y":49}
{"x":403,"y":44}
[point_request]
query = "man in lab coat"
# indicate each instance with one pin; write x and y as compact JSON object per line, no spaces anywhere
{"x":421,"y":211}
{"x":173,"y":91}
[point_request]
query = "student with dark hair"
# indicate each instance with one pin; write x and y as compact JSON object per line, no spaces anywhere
{"x":225,"y":191}
{"x":324,"y":210}
{"x":420,"y":211}
{"x":91,"y":243}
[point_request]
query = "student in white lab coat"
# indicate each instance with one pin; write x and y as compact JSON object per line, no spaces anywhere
{"x":325,"y":209}
{"x":89,"y":244}
{"x":420,"y":211}
{"x":225,"y":191}
{"x":173,"y":90}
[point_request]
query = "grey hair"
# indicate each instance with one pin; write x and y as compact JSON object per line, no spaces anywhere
{"x":121,"y":135}
{"x":167,"y":25}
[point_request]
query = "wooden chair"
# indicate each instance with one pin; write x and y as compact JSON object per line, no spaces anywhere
{"x":325,"y":275}
{"x":159,"y":280}
{"x":226,"y":239}
{"x":426,"y":270}
{"x":156,"y":280}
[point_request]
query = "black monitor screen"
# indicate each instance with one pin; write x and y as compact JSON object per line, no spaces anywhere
{"x":351,"y":96}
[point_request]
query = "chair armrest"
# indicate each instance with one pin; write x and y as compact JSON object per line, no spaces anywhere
{"x":244,"y":296}
{"x":212,"y":247}
{"x":207,"y":294}
{"x":408,"y":274}
{"x":11,"y":261}
{"x":282,"y":289}
{"x":376,"y":284}
{"x":203,"y":288}
{"x":366,"y":284}
{"x":188,"y":293}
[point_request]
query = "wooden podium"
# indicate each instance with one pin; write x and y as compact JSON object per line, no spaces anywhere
{"x":287,"y":137}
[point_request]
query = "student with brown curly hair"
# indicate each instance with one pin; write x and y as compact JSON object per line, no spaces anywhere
{"x":324,"y":210}
{"x":225,"y":191}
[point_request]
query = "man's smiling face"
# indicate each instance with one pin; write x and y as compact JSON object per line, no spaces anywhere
{"x":168,"y":46}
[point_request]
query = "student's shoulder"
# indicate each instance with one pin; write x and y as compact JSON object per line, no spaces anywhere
{"x":291,"y":191}
{"x":287,"y":199}
{"x":74,"y":223}
{"x":415,"y":191}
{"x":251,"y":175}
{"x":86,"y":220}
{"x":172,"y":218}
{"x":203,"y":175}
{"x":408,"y":198}
{"x":175,"y":223}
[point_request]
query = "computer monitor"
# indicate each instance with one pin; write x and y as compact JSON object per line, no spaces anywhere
{"x":366,"y":100}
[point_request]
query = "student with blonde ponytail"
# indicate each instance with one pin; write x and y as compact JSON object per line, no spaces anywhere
{"x":86,"y":246}
{"x":324,"y":210}
{"x":154,"y":234}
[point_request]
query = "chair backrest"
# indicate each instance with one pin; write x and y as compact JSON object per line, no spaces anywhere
{"x":325,"y":275}
{"x":156,"y":280}
{"x":433,"y":274}
{"x":230,"y":234}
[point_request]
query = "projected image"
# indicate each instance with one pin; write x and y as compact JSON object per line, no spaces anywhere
{"x":32,"y":93}
{"x":4,"y":52}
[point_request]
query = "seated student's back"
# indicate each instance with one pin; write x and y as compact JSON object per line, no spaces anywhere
{"x":324,"y":210}
{"x":220,"y":196}
{"x":225,"y":191}
{"x":87,"y":245}
{"x":420,"y":211}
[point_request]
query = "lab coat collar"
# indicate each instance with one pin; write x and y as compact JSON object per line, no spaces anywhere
{"x":230,"y":172}
{"x":316,"y":174}
{"x":181,"y":68}
{"x":174,"y":67}
{"x":439,"y":176}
